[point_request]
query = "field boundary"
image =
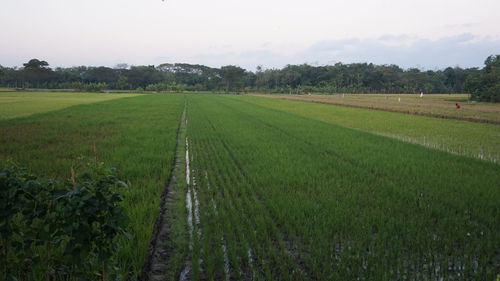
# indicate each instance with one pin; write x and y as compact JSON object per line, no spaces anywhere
{"x":440,"y":116}
{"x":154,"y":265}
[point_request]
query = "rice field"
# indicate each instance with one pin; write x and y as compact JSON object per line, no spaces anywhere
{"x":136,"y":135}
{"x":432,"y":105}
{"x":19,"y":104}
{"x":472,"y":139}
{"x":264,"y":189}
{"x":276,"y":196}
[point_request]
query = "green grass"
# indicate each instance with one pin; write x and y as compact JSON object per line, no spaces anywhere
{"x":311,"y":200}
{"x":18,"y":104}
{"x":464,"y":138}
{"x":136,"y":135}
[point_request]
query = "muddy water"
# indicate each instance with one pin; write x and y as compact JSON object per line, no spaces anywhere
{"x":185,"y":274}
{"x":189,"y":207}
{"x":188,"y":171}
{"x":196,"y":210}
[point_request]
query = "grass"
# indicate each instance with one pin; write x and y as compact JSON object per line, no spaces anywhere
{"x":137,"y":135}
{"x":278,"y":196}
{"x":476,"y":140}
{"x":19,"y":104}
{"x":434,"y":105}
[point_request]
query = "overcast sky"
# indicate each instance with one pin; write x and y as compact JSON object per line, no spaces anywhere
{"x":272,"y":33}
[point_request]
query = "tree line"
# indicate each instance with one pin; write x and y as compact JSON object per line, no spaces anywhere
{"x":304,"y":78}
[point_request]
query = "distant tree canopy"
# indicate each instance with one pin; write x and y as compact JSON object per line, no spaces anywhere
{"x":36,"y":64}
{"x":338,"y":78}
{"x":484,"y":85}
{"x":232,"y":77}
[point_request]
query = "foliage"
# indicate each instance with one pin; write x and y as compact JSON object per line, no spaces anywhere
{"x":88,"y":87}
{"x":232,"y":77}
{"x":158,"y":87}
{"x":298,"y":79}
{"x":59,"y":229}
{"x":484,"y":85}
{"x":36,"y":64}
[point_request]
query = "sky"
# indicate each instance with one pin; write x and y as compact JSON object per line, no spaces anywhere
{"x":425,"y":34}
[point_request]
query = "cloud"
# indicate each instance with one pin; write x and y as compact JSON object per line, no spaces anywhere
{"x":392,"y":37}
{"x":248,"y":59}
{"x":464,"y":50}
{"x":463,"y":25}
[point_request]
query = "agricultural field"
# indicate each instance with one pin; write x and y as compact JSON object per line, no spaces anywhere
{"x":478,"y":140}
{"x":136,"y":135}
{"x":18,"y":104}
{"x":272,"y":195}
{"x":266,"y":189}
{"x":432,"y":105}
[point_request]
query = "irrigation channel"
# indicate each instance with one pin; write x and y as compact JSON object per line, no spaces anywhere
{"x":154,"y":268}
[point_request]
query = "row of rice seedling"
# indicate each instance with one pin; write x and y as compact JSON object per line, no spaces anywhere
{"x":224,"y":197}
{"x":285,"y":197}
{"x":136,"y":135}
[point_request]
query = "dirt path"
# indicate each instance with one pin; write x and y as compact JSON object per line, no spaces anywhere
{"x":158,"y":255}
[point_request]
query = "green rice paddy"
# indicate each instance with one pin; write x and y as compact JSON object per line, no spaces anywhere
{"x":18,"y":104}
{"x":136,"y":135}
{"x":281,"y":190}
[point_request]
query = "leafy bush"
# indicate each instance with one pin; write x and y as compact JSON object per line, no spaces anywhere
{"x":51,"y":229}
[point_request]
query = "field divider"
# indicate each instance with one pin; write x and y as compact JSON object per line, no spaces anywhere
{"x":154,"y":268}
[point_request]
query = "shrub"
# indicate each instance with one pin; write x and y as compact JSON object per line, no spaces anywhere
{"x":52,"y":229}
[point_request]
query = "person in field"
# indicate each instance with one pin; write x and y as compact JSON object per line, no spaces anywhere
{"x":457,"y":106}
{"x":421,"y":94}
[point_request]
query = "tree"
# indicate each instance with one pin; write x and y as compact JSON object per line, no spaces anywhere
{"x":101,"y":75}
{"x":122,"y":83}
{"x":232,"y":77}
{"x":484,"y":85}
{"x":36,"y":64}
{"x":37,"y":73}
{"x":142,"y":76}
{"x":291,"y":77}
{"x":3,"y":73}
{"x":338,"y":78}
